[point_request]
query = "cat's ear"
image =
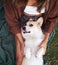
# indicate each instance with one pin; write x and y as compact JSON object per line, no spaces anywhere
{"x":40,"y":21}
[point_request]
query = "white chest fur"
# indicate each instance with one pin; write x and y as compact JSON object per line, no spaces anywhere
{"x":30,"y":50}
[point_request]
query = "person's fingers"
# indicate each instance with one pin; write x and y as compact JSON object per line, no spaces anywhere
{"x":18,"y":61}
{"x":44,"y":46}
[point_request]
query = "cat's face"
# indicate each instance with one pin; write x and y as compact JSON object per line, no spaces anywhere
{"x":32,"y":28}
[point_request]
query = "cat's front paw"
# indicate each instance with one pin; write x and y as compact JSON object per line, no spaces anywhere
{"x":40,"y":52}
{"x":28,"y":53}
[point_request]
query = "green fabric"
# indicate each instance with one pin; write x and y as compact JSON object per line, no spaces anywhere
{"x":7,"y":42}
{"x":49,"y":42}
{"x":50,"y":38}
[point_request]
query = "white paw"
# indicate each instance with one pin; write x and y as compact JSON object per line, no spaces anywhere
{"x":40,"y":52}
{"x":27,"y":53}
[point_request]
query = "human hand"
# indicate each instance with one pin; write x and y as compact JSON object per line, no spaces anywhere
{"x":45,"y":41}
{"x":19,"y":55}
{"x":44,"y":46}
{"x":19,"y":58}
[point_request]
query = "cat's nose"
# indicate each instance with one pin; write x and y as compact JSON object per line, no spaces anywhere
{"x":24,"y":28}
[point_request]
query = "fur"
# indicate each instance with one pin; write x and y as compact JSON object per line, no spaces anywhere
{"x":33,"y":35}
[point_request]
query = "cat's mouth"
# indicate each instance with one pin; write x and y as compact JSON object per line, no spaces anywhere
{"x":26,"y":32}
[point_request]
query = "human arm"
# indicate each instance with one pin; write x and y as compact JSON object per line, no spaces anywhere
{"x":44,"y":42}
{"x":11,"y":16}
{"x":19,"y":50}
{"x":51,"y":18}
